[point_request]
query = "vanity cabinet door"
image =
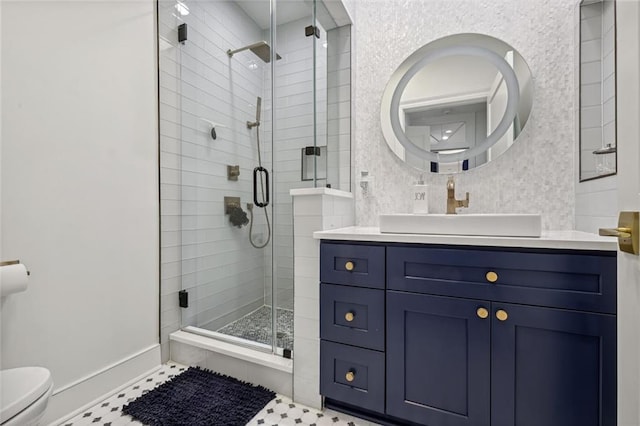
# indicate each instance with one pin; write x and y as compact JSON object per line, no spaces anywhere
{"x":438,"y":359}
{"x":552,"y":367}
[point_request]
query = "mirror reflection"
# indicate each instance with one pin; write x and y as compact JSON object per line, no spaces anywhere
{"x":597,"y":89}
{"x":457,"y":103}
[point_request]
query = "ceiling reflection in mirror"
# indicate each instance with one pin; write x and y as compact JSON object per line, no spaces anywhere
{"x":457,"y":103}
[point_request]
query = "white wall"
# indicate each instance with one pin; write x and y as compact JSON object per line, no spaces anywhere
{"x":536,"y":173}
{"x":80,"y":191}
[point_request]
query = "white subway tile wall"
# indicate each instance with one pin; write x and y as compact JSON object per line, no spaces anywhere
{"x":312,"y":213}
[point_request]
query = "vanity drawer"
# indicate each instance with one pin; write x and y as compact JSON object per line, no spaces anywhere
{"x":352,"y":315}
{"x":351,"y":264}
{"x":352,"y":375}
{"x":581,"y":280}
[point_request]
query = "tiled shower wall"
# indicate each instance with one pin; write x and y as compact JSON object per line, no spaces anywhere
{"x":199,"y":83}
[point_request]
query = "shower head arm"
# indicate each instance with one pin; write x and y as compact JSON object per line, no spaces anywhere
{"x":242,"y":49}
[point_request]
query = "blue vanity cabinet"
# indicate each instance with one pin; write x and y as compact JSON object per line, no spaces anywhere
{"x":475,"y":336}
{"x":352,"y":325}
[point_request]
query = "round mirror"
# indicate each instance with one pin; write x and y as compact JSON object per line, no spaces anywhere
{"x":456,"y":103}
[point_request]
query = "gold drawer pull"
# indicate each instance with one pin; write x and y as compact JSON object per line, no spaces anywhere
{"x":492,"y":277}
{"x":502,"y":315}
{"x":349,"y":316}
{"x":482,"y":313}
{"x":349,"y":266}
{"x":350,"y":376}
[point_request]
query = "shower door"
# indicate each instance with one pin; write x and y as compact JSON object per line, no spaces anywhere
{"x":241,"y":67}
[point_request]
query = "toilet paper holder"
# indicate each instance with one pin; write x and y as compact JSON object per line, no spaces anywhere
{"x":12,"y":262}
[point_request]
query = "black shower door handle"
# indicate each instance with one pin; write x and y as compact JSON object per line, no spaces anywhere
{"x":257,"y":170}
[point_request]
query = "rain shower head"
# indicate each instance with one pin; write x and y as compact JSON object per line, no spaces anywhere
{"x":261,"y":49}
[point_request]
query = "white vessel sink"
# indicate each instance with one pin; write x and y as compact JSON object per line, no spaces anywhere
{"x":492,"y":225}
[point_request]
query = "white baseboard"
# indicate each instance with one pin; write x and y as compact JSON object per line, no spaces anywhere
{"x":72,"y":399}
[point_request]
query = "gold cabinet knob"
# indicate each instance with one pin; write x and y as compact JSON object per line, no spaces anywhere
{"x":482,"y":313}
{"x":502,"y":315}
{"x":492,"y":277}
{"x":350,"y":376}
{"x":349,"y":266}
{"x":349,"y":316}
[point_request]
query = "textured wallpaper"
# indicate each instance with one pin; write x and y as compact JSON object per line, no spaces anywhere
{"x":536,"y":175}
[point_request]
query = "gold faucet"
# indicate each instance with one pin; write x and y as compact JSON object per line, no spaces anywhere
{"x":452,"y":203}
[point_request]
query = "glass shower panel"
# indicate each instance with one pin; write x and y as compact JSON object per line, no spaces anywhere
{"x":293,"y":132}
{"x":225,"y":147}
{"x":248,"y":97}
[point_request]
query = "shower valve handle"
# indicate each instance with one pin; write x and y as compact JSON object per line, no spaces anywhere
{"x":257,"y":170}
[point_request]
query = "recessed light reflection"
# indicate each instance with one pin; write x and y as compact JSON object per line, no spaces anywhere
{"x":444,"y":138}
{"x":182,"y":8}
{"x":448,"y":131}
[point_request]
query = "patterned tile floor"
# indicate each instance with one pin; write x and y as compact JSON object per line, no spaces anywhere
{"x":281,"y":411}
{"x":256,"y":326}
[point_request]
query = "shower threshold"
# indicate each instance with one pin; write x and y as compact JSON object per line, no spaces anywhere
{"x":256,"y":327}
{"x":252,"y":331}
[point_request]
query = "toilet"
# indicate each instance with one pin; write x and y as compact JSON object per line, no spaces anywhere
{"x":24,"y":394}
{"x":24,"y":391}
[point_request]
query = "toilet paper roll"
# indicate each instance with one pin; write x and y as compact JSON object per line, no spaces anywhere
{"x":13,"y":278}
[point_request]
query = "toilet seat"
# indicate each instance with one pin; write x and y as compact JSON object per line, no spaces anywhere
{"x":21,"y":388}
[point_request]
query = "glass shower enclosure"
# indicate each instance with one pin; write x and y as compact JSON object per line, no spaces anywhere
{"x":260,"y":86}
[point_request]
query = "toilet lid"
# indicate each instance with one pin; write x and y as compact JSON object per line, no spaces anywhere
{"x":21,"y":387}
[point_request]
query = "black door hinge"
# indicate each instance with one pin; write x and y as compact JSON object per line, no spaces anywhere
{"x":183,"y":298}
{"x":182,"y":33}
{"x":311,"y":30}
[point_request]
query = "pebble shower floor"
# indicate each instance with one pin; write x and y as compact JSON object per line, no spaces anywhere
{"x":281,"y":411}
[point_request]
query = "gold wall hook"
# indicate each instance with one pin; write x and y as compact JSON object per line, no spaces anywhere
{"x":627,"y":232}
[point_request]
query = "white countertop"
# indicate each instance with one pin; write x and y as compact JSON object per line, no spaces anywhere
{"x":573,"y":240}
